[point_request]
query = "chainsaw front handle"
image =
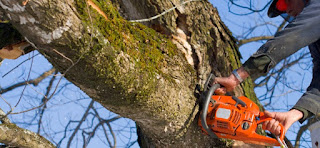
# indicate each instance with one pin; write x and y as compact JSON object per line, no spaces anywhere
{"x":205,"y":105}
{"x":239,"y":101}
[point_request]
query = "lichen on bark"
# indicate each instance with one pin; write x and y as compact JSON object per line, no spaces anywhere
{"x":133,"y":70}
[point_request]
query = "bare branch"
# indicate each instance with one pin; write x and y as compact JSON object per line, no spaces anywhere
{"x":44,"y":100}
{"x":59,"y":53}
{"x":34,"y":82}
{"x":109,"y":126}
{"x":254,"y":39}
{"x":80,"y":123}
{"x":92,"y":133}
{"x":19,"y":64}
{"x":250,"y":8}
{"x":113,"y":135}
{"x":24,"y":88}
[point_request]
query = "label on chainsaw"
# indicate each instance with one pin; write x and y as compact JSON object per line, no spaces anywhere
{"x":223,"y":113}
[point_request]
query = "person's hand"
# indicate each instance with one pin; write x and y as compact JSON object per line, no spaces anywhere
{"x":285,"y":118}
{"x":228,"y":84}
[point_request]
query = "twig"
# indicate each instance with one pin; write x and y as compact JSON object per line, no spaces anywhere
{"x":59,"y":53}
{"x":44,"y":99}
{"x":5,"y":116}
{"x":281,"y":25}
{"x":246,"y":7}
{"x":303,"y":129}
{"x":33,"y":82}
{"x":19,"y":65}
{"x":91,"y":134}
{"x":113,"y":135}
{"x":163,"y":13}
{"x":47,"y":99}
{"x":109,"y":126}
{"x":31,"y":65}
{"x":80,"y":123}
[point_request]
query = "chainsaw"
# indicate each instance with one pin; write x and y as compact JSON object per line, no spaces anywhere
{"x":235,"y":118}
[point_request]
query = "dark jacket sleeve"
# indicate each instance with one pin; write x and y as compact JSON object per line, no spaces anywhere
{"x":310,"y":100}
{"x":303,"y":31}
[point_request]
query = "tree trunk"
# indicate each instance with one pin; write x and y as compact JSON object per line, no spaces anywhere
{"x":147,"y":72}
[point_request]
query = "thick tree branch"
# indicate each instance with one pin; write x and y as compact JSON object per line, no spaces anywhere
{"x":4,"y":118}
{"x":12,"y":135}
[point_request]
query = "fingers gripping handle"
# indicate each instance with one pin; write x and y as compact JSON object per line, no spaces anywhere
{"x":282,"y":132}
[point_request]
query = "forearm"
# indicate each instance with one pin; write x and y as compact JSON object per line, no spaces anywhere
{"x":257,"y":66}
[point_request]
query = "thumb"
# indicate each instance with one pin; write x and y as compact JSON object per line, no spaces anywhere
{"x":221,"y":91}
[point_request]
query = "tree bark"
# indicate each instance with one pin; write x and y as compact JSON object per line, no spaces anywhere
{"x":147,"y":72}
{"x":13,"y":135}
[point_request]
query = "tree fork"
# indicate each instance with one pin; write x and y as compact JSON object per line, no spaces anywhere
{"x":129,"y":68}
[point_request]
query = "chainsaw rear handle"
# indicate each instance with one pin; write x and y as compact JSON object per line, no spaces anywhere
{"x":264,"y":119}
{"x":264,"y":140}
{"x":206,"y":102}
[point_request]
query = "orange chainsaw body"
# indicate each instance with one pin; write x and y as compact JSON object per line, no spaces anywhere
{"x":228,"y":119}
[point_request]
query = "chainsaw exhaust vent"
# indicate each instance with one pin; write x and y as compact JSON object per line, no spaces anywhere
{"x":222,"y":124}
{"x":236,"y":117}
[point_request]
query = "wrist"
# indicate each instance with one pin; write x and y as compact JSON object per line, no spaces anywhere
{"x":234,"y":79}
{"x":239,"y":75}
{"x":296,"y":114}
